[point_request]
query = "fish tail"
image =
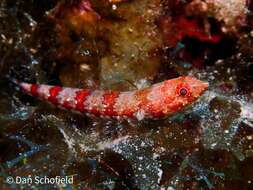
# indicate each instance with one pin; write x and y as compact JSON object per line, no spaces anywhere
{"x":96,"y":102}
{"x":42,"y":92}
{"x":67,"y":98}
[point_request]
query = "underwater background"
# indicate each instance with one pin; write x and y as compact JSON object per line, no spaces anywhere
{"x":126,"y":45}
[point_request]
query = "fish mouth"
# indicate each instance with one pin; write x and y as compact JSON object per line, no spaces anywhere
{"x":202,"y":85}
{"x":198,"y":87}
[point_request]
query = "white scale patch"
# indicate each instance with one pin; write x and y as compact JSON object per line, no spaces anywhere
{"x":43,"y":91}
{"x":126,"y":101}
{"x":156,"y":98}
{"x":140,"y":115}
{"x":67,"y":95}
{"x":26,"y":87}
{"x":95,"y":101}
{"x":155,"y":94}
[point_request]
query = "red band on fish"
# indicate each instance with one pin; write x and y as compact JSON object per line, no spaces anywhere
{"x":67,"y":105}
{"x":109,"y":100}
{"x":54,"y":91}
{"x":157,"y":113}
{"x":81,"y":97}
{"x":34,"y":89}
{"x":95,"y":112}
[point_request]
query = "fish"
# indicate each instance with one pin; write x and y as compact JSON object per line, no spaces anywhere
{"x":157,"y":101}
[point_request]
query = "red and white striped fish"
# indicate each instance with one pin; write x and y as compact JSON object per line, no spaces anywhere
{"x":157,"y":101}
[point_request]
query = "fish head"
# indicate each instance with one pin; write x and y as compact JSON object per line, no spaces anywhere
{"x":184,"y":90}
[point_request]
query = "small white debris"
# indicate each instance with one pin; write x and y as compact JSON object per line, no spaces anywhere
{"x":160,"y":174}
{"x":155,"y":156}
{"x":114,"y":7}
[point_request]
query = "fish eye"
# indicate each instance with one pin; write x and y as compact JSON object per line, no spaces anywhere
{"x":183,"y":91}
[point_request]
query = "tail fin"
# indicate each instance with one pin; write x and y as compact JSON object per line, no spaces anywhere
{"x":63,"y":97}
{"x":68,"y":98}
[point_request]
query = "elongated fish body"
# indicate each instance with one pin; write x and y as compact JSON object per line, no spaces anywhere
{"x":157,"y":101}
